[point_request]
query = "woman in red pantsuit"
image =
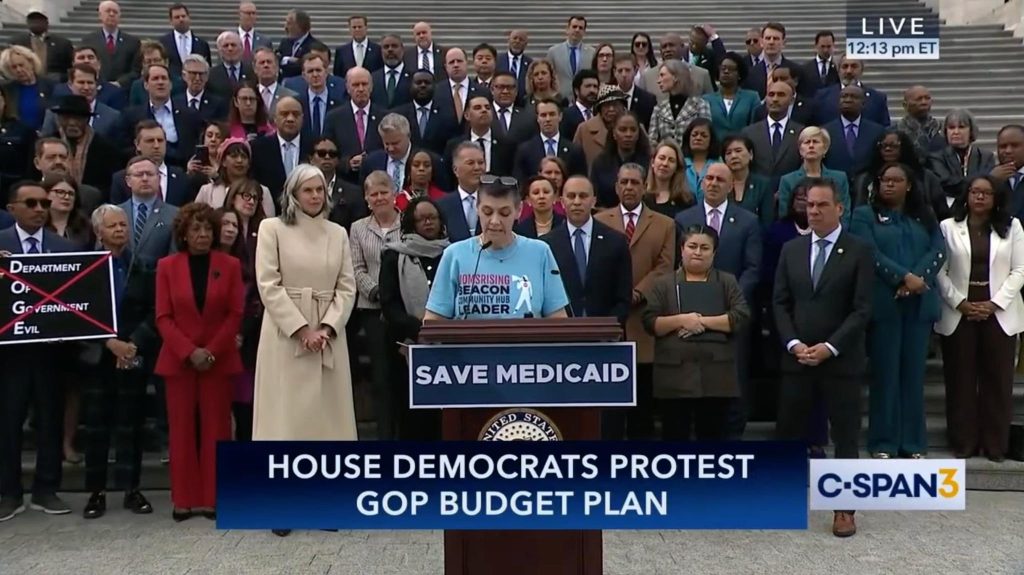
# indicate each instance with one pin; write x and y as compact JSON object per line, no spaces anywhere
{"x":199,"y":304}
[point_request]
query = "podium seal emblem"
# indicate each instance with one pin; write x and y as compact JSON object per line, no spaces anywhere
{"x":520,"y":424}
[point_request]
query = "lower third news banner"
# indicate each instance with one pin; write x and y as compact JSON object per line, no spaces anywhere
{"x":522,"y":485}
{"x":56,"y":297}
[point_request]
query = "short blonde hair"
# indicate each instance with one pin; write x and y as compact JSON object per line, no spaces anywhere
{"x":378,"y":178}
{"x":815,"y":132}
{"x":681,"y":71}
{"x":7,"y":55}
{"x":290,"y":207}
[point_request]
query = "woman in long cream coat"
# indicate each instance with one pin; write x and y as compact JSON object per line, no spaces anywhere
{"x":307,"y":284}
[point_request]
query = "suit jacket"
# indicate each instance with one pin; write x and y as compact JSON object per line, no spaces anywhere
{"x":284,"y":50}
{"x":442,"y":125}
{"x":499,"y":160}
{"x":946,"y":165}
{"x":805,"y":112}
{"x":349,"y":205}
{"x":530,"y":153}
{"x":268,"y":164}
{"x":184,"y":328}
{"x":138,"y":96}
{"x":522,"y":125}
{"x":279,"y":92}
{"x":503,"y":65}
{"x":811,"y":75}
{"x":103,"y":158}
{"x":106,"y":93}
{"x":651,"y":254}
{"x":187,"y":122}
{"x":6,"y":220}
{"x":403,"y":87}
{"x":212,"y":108}
{"x":335,"y":85}
{"x":605,"y":291}
{"x":334,"y":99}
{"x":774,"y":163}
{"x":700,"y":78}
{"x":345,"y":57}
{"x":157,"y":240}
{"x":732,"y":121}
{"x":572,"y":117}
{"x":443,"y":96}
{"x":789,"y":182}
{"x":592,"y":136}
{"x":123,"y":63}
{"x":59,"y":53}
{"x":559,"y":54}
{"x":107,"y":123}
{"x":757,"y":78}
{"x":340,"y":127}
{"x":136,"y":316}
{"x":709,"y":59}
{"x":839,"y":157}
{"x":527,"y":227}
{"x":451,"y":208}
{"x":412,"y":61}
{"x":642,"y":104}
{"x":220,"y":82}
{"x":199,"y":46}
{"x":836,"y":312}
{"x":52,"y":243}
{"x":178,"y":193}
{"x":876,"y":105}
{"x":739,"y":243}
{"x":1005,"y":276}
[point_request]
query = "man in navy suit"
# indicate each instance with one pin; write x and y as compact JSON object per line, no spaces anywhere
{"x":459,"y":206}
{"x":150,"y":142}
{"x":585,"y":87}
{"x":360,"y":52}
{"x":107,"y":93}
{"x":479,"y":123}
{"x":773,"y":41}
{"x":292,"y":48}
{"x":105,"y":120}
{"x":232,"y":69}
{"x":594,"y":259}
{"x":739,"y":253}
{"x":392,"y":81}
{"x":181,"y":41}
{"x":821,"y":71}
{"x":209,"y":106}
{"x":432,"y":126}
{"x":853,"y":136}
{"x":876,"y":103}
{"x":511,"y":121}
{"x":424,"y":54}
{"x":639,"y":101}
{"x":457,"y":83}
{"x":318,"y":99}
{"x":181,"y":125}
{"x":353,"y":126}
{"x":335,"y":84}
{"x":549,"y":142}
{"x":29,"y":376}
{"x":275,"y":156}
{"x":514,"y":60}
{"x":393,"y":159}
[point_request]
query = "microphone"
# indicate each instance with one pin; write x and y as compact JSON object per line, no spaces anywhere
{"x":476,"y":267}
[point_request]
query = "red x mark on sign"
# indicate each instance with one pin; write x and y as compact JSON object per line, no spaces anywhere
{"x":48,"y":297}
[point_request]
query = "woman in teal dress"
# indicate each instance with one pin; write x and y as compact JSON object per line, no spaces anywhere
{"x":909,"y":252}
{"x":752,"y":192}
{"x":700,"y":151}
{"x":732,"y":107}
{"x":814,"y":144}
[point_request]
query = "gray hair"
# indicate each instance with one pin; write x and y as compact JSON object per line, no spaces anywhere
{"x":101,"y":212}
{"x":681,"y":71}
{"x":289,"y":203}
{"x":393,"y":123}
{"x":468,"y":145}
{"x":633,"y":166}
{"x":961,"y":117}
{"x":378,"y":178}
{"x":196,"y":59}
{"x":227,"y":34}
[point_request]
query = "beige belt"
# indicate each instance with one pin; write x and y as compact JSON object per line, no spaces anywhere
{"x":305,"y":297}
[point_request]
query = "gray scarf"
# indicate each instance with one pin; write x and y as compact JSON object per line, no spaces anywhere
{"x":412,"y":280}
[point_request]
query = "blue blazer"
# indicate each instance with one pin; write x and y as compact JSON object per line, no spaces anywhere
{"x":839,"y":158}
{"x":345,"y":58}
{"x":106,"y":93}
{"x":52,"y":243}
{"x":740,"y":116}
{"x":876,"y":105}
{"x":6,"y":220}
{"x":334,"y":99}
{"x":335,"y":86}
{"x":455,"y":217}
{"x":790,"y":181}
{"x":739,"y":243}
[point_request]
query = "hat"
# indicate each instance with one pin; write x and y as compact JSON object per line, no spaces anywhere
{"x":73,"y":105}
{"x":36,"y":15}
{"x":610,"y":93}
{"x":231,"y":142}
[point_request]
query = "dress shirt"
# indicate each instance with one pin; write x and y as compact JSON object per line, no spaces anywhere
{"x":366,"y":114}
{"x":252,"y":38}
{"x":267,"y":93}
{"x":515,"y":66}
{"x":636,"y":214}
{"x":164,"y":115}
{"x":136,"y":202}
{"x":588,"y":234}
{"x":832,"y":239}
{"x":429,"y":50}
{"x":196,"y":99}
{"x":356,"y":45}
{"x":23,"y":236}
{"x":846,"y":125}
{"x":298,"y":42}
{"x":295,"y":153}
{"x":583,"y":110}
{"x":721,"y":212}
{"x":184,"y":43}
{"x":162,"y":170}
{"x":487,"y":146}
{"x":399,"y":169}
{"x":769,"y":63}
{"x":629,"y":96}
{"x":818,"y":62}
{"x":463,"y":90}
{"x":507,"y":120}
{"x":544,"y":142}
{"x":310,"y":95}
{"x":771,"y":126}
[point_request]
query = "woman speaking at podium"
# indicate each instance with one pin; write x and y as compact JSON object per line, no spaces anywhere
{"x":497,"y":274}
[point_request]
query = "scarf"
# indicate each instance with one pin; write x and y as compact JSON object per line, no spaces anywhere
{"x":79,"y":152}
{"x":412,"y":280}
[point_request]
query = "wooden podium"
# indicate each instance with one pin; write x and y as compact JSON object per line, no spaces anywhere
{"x":575,"y":552}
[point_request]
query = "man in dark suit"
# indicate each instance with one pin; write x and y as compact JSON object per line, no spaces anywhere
{"x":459,"y":206}
{"x":853,"y":136}
{"x":594,"y":259}
{"x":739,"y":253}
{"x":334,"y":84}
{"x":54,"y":51}
{"x":29,"y":376}
{"x":431,"y":126}
{"x":511,"y":122}
{"x":706,"y":50}
{"x":395,"y":136}
{"x":392,"y":81}
{"x":479,"y":119}
{"x":151,"y":142}
{"x":105,"y":120}
{"x":361,"y":51}
{"x":639,"y":101}
{"x":252,"y":40}
{"x":232,"y":70}
{"x":514,"y":60}
{"x":346,"y":197}
{"x":107,"y":93}
{"x":802,"y":110}
{"x":876,"y":103}
{"x":454,"y":91}
{"x":208,"y":105}
{"x":549,"y":142}
{"x":317,"y":99}
{"x":424,"y":54}
{"x":822,"y":303}
{"x":295,"y":45}
{"x":1010,"y":169}
{"x":119,"y":52}
{"x":353,"y":126}
{"x":182,"y":126}
{"x":776,"y":152}
{"x":773,"y":41}
{"x":820,"y":71}
{"x":181,"y":41}
{"x":484,"y":59}
{"x":585,"y":87}
{"x":275,"y":156}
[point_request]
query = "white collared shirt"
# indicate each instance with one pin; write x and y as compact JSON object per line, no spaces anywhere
{"x":397,"y":70}
{"x":486,"y":137}
{"x":463,"y":89}
{"x":184,"y":43}
{"x":429,"y":50}
{"x":267,"y":93}
{"x":252,"y":38}
{"x":164,"y":174}
{"x":297,"y":150}
{"x":588,"y":235}
{"x":636,"y":214}
{"x":355,"y":50}
{"x":583,"y":109}
{"x":198,"y":98}
{"x":164,"y":115}
{"x":399,"y":169}
{"x":23,"y":237}
{"x":721,"y":211}
{"x":771,"y":126}
{"x":507,"y":120}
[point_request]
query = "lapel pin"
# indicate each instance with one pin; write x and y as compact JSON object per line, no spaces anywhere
{"x":839,"y":251}
{"x":731,"y":220}
{"x":600,"y":237}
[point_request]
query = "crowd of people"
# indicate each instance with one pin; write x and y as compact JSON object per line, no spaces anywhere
{"x":276,"y":212}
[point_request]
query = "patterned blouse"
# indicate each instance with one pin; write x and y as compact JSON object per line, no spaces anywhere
{"x":664,"y":124}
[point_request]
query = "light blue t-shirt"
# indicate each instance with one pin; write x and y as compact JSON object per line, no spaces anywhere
{"x":512,"y":282}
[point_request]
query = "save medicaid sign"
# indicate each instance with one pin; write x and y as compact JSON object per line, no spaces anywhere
{"x":569,"y":375}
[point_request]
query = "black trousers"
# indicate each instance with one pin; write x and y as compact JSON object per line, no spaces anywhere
{"x":113,"y":403}
{"x":842,"y":401}
{"x":412,"y":424}
{"x":28,"y":378}
{"x":702,"y":418}
{"x":636,"y":423}
{"x":243,"y":420}
{"x":739,"y":407}
{"x":381,"y":352}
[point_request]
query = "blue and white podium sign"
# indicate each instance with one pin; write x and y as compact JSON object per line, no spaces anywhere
{"x":523,"y":375}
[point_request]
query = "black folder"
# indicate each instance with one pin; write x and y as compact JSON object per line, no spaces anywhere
{"x":705,"y":298}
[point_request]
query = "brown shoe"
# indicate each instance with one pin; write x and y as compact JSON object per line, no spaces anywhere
{"x":843,"y":524}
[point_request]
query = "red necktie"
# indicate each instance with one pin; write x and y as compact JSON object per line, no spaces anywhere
{"x":110,"y":44}
{"x":630,"y":227}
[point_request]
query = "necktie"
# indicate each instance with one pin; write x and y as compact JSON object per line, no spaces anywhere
{"x":33,"y":245}
{"x":397,"y":174}
{"x":110,"y":44}
{"x":1014,"y":180}
{"x":268,"y":97}
{"x":140,"y":221}
{"x":295,"y":48}
{"x":471,"y":219}
{"x":392,"y":85}
{"x":247,"y":47}
{"x":194,"y":103}
{"x":317,"y":117}
{"x":424,"y":118}
{"x":573,"y":51}
{"x":630,"y":227}
{"x":183,"y":47}
{"x":715,"y":220}
{"x":425,"y":60}
{"x":824,"y":70}
{"x":483,"y":146}
{"x":360,"y":54}
{"x":819,"y":262}
{"x":588,"y":114}
{"x":289,"y":158}
{"x":551,"y":147}
{"x":457,"y":98}
{"x":515,"y":67}
{"x":776,"y":136}
{"x":851,"y":138}
{"x":361,"y":127}
{"x":580,"y":251}
{"x":503,"y":116}
{"x":233,"y":73}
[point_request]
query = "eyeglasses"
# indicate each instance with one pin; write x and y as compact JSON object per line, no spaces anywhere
{"x":425,"y":219}
{"x":490,"y":179}
{"x":33,"y":203}
{"x":980,"y":192}
{"x":605,"y":55}
{"x":888,"y":145}
{"x":893,"y":180}
{"x":751,"y":41}
{"x":503,"y":87}
{"x":249,"y":99}
{"x":197,"y":73}
{"x":326,"y":153}
{"x":64,"y":193}
{"x":249,"y":196}
{"x":639,"y":44}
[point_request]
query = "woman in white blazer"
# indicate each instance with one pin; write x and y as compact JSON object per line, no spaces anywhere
{"x":982,"y":311}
